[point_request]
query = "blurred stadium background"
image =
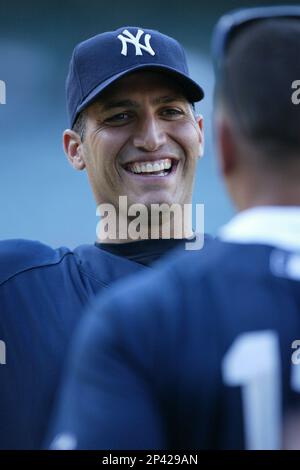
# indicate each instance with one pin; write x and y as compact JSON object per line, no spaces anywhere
{"x":42,"y":198}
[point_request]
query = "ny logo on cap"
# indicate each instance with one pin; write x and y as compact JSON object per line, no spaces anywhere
{"x":135,"y":41}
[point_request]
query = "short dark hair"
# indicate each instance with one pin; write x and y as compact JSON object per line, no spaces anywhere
{"x":261,"y":63}
{"x":80,"y":124}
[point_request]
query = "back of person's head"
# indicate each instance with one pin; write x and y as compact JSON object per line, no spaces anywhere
{"x":255,"y":86}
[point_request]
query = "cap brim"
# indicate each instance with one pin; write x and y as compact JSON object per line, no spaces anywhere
{"x":191,"y":89}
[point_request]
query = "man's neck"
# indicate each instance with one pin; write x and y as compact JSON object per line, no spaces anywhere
{"x":171,"y":223}
{"x":163,"y":234}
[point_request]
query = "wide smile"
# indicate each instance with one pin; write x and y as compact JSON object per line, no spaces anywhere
{"x":146,"y":170}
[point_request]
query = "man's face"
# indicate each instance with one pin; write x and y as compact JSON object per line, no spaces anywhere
{"x":142,"y":141}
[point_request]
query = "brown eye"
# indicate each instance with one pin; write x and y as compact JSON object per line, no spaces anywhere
{"x":118,"y":118}
{"x":172,"y":112}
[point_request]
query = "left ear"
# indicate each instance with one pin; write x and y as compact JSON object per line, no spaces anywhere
{"x":199,"y":120}
{"x":227,"y":143}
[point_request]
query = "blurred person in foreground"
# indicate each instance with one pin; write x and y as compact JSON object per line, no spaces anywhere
{"x":202,"y":353}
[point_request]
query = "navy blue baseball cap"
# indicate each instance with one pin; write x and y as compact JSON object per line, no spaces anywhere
{"x":234,"y":21}
{"x":101,"y":60}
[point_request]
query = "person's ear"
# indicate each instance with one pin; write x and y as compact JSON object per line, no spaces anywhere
{"x":199,"y":120}
{"x":72,"y":144}
{"x":226,"y":145}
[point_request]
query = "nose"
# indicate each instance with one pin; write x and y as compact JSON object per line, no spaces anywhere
{"x":149,"y":135}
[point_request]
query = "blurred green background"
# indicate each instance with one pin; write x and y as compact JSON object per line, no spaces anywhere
{"x":42,"y":198}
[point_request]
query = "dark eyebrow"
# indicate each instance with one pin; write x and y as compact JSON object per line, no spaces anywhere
{"x":126,"y":103}
{"x":169,"y":99}
{"x":118,"y":104}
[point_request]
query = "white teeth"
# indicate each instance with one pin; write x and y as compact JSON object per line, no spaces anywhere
{"x":150,"y":167}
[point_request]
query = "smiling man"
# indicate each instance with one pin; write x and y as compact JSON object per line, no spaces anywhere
{"x":134,"y":130}
{"x":140,"y":138}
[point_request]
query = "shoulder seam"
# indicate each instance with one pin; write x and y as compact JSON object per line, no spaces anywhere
{"x":35,"y":267}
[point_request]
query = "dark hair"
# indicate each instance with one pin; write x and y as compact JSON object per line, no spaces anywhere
{"x":256,"y":84}
{"x":79,"y":124}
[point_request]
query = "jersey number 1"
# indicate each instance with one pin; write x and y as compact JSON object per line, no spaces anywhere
{"x":253,"y":362}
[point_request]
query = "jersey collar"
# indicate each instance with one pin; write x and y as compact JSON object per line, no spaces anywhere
{"x":277,"y":226}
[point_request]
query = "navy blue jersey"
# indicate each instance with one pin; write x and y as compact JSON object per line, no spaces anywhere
{"x":42,"y":296}
{"x":197,"y":355}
